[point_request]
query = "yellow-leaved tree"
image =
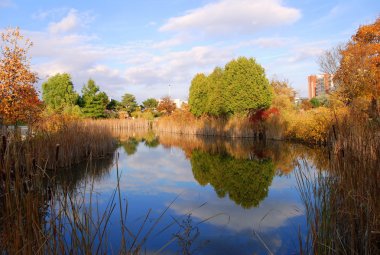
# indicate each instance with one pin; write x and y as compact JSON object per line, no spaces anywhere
{"x":18,"y":97}
{"x":358,"y":75}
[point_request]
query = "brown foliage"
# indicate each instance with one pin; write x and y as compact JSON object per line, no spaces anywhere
{"x":166,"y":105}
{"x":18,"y":97}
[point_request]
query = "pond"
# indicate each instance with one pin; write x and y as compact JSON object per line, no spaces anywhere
{"x":198,"y":195}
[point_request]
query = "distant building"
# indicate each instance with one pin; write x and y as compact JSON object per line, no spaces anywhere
{"x":179,"y":102}
{"x":320,"y":84}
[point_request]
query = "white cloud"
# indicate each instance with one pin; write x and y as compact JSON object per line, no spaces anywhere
{"x":176,"y":68}
{"x":70,"y":22}
{"x":268,"y":42}
{"x":228,"y":17}
{"x":300,"y":53}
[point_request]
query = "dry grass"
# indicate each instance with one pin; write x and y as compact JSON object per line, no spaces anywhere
{"x":116,"y":125}
{"x":71,"y":144}
{"x":356,"y":135}
{"x":25,"y":187}
{"x":183,"y":122}
{"x":43,"y":213}
{"x":342,"y":204}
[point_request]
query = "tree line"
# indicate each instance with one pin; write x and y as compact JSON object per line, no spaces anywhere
{"x":239,"y":88}
{"x":59,"y":95}
{"x":20,"y":101}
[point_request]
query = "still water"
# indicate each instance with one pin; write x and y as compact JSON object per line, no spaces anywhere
{"x":196,"y":195}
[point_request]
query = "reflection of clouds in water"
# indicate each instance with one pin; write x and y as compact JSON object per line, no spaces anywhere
{"x":158,"y":175}
{"x":272,"y":213}
{"x":283,"y":182}
{"x":159,"y":170}
{"x":147,"y":172}
{"x":160,"y":165}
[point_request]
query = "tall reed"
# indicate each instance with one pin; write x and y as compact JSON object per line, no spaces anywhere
{"x":44,"y":212}
{"x":182,"y":122}
{"x":116,"y":125}
{"x":342,"y":206}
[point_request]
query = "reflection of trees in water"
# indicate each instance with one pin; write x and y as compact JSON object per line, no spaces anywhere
{"x":130,"y":145}
{"x":245,"y":181}
{"x":92,"y":170}
{"x":130,"y":142}
{"x":283,"y":154}
{"x":27,"y":203}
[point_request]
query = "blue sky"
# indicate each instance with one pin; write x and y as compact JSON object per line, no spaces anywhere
{"x":141,"y":47}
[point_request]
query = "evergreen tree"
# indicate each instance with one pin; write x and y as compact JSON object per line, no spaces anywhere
{"x":247,"y":87}
{"x":150,"y":103}
{"x":216,"y":102}
{"x":114,"y":105}
{"x":129,"y":103}
{"x":241,"y":87}
{"x":198,"y":95}
{"x":94,"y":102}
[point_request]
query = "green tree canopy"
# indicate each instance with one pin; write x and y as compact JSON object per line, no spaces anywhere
{"x":94,"y":102}
{"x":198,"y":94}
{"x":58,"y":92}
{"x":238,"y":88}
{"x":247,"y":86}
{"x":128,"y":101}
{"x":216,"y":99}
{"x":319,"y":101}
{"x":114,"y":105}
{"x":150,"y":103}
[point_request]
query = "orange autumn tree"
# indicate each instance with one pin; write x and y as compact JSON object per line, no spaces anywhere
{"x":358,"y":75}
{"x":166,"y":105}
{"x":18,"y":97}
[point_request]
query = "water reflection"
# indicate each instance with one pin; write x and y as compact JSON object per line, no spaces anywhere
{"x":89,"y":171}
{"x":130,"y":142}
{"x":245,"y":181}
{"x":228,"y":186}
{"x":282,"y":154}
{"x":37,"y":205}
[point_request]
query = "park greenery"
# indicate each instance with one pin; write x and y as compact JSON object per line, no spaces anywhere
{"x":238,"y":95}
{"x":238,"y":88}
{"x":59,"y":95}
{"x":237,"y":100}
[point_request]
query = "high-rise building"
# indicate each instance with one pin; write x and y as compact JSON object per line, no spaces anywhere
{"x":320,"y":84}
